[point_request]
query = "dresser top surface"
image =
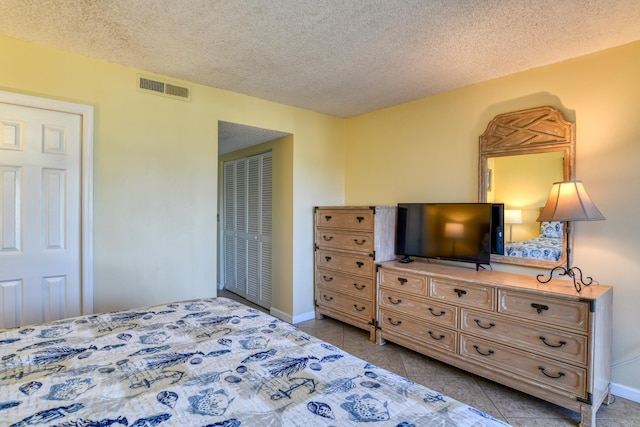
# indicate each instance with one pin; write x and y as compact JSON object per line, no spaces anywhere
{"x":557,"y":286}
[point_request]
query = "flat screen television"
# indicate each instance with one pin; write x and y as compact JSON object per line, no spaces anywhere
{"x":448,"y":231}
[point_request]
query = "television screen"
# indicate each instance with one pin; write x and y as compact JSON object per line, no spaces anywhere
{"x":452,"y":231}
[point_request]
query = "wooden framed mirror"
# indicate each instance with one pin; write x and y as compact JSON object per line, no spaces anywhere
{"x":522,"y":154}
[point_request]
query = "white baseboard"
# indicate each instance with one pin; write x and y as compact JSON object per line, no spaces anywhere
{"x":625,"y":392}
{"x":304,"y":317}
{"x":289,"y":319}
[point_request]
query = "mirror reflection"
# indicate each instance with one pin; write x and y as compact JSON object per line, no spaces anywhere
{"x":522,"y":183}
{"x":522,"y":154}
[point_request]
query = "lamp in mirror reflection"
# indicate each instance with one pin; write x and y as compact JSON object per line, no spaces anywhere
{"x":454,"y":231}
{"x":568,"y":201}
{"x":512,"y":216}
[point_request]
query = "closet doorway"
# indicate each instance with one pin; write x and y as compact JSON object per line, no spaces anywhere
{"x":246,"y":195}
{"x":247,"y":228}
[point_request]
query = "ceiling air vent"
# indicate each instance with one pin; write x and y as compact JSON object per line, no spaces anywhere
{"x":164,"y":88}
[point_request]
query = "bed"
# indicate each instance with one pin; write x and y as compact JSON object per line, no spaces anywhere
{"x":205,"y":362}
{"x":547,"y":246}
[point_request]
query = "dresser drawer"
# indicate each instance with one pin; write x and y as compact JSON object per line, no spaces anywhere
{"x":347,"y":240}
{"x":359,"y":264}
{"x":403,"y":282}
{"x":554,"y":311}
{"x":351,"y":219}
{"x":419,"y":307}
{"x":354,"y":307}
{"x":424,"y":332}
{"x":557,"y":344}
{"x":542,"y":370}
{"x":360,"y":287}
{"x":461,"y":293}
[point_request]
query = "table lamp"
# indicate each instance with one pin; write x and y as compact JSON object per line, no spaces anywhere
{"x":512,"y":216}
{"x":569,"y":201}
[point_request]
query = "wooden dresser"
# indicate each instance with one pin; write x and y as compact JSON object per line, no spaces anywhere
{"x":348,"y":243}
{"x":546,"y":340}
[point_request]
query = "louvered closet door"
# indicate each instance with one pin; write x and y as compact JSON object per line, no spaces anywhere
{"x":247,"y":228}
{"x":265,"y":220}
{"x":229,"y":227}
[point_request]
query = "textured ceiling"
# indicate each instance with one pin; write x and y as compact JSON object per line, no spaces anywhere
{"x":339,"y":57}
{"x":233,"y":136}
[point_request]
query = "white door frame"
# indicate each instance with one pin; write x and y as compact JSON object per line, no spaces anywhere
{"x":86,"y":216}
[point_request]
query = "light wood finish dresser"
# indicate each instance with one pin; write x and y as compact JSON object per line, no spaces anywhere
{"x":348,"y":243}
{"x":546,"y":340}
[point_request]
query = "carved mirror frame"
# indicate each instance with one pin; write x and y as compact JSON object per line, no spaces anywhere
{"x":536,"y":130}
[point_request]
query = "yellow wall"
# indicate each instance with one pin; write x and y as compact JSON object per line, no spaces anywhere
{"x":156,"y":177}
{"x":427,"y":150}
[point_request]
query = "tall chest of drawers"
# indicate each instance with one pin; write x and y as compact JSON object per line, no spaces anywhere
{"x":546,"y":340}
{"x":349,"y":241}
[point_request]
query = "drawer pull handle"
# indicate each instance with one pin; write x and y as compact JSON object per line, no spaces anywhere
{"x":560,"y":343}
{"x":491,"y":325}
{"x":360,"y":242}
{"x":327,"y":278}
{"x":327,"y":217}
{"x":398,"y":323}
{"x":327,"y":258}
{"x":441,"y":337}
{"x":460,"y":292}
{"x":359,"y":264}
{"x":326,"y":298}
{"x":402,"y":280}
{"x":327,"y":238}
{"x":442,"y":313}
{"x":539,"y":307}
{"x":359,"y":308}
{"x":560,"y":374}
{"x":360,"y":218}
{"x":489,"y":353}
{"x":394,"y":302}
{"x":359,"y":287}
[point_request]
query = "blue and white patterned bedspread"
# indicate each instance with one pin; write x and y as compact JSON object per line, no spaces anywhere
{"x":208,"y":362}
{"x":542,"y":248}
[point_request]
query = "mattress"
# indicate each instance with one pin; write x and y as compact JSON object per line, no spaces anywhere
{"x":205,"y":362}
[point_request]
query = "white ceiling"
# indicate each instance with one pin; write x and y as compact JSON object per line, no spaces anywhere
{"x":234,"y":136}
{"x":339,"y":57}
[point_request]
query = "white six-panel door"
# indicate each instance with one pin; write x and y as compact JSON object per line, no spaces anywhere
{"x":40,"y":215}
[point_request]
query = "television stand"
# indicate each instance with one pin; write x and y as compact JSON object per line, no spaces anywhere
{"x":544,"y":340}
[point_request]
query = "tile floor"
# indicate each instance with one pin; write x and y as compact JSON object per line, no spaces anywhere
{"x":518,"y":409}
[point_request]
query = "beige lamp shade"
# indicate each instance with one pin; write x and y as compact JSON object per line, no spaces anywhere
{"x":512,"y":216}
{"x":569,"y":201}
